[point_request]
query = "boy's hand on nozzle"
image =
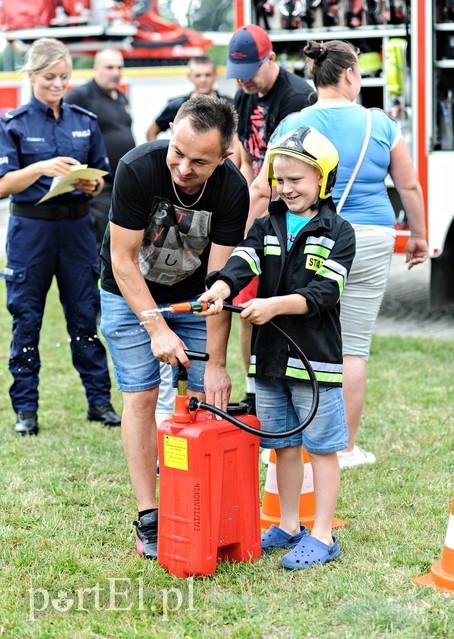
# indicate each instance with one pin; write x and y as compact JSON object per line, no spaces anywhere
{"x":215,"y":295}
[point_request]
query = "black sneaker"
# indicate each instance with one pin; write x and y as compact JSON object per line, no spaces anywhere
{"x":104,"y":413}
{"x":147,"y":535}
{"x":26,"y":423}
{"x":249,"y":400}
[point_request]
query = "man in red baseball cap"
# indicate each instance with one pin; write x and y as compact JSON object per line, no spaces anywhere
{"x":267,"y":94}
{"x":248,"y":49}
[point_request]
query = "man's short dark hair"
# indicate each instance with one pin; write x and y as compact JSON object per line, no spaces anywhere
{"x":206,"y":113}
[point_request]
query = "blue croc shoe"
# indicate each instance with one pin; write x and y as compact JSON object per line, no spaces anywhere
{"x":277,"y":538}
{"x":310,"y":552}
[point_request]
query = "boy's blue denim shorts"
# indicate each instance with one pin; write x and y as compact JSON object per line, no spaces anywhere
{"x":282,"y":404}
{"x":135,"y":367}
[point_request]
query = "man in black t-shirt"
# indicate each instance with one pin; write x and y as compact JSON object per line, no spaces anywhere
{"x":178,"y":210}
{"x":202,"y":74}
{"x":267,"y":94}
{"x":102,"y":97}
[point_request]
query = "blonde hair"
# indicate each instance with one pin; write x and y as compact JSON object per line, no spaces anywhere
{"x":44,"y":53}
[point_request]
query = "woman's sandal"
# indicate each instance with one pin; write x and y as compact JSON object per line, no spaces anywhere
{"x":275,"y":538}
{"x":309,"y":552}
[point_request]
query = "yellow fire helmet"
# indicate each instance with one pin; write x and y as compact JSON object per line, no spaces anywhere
{"x":309,"y":145}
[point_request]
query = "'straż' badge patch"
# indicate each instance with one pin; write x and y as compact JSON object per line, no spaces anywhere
{"x":313,"y":263}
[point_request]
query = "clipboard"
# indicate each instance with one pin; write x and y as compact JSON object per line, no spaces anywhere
{"x":64,"y":184}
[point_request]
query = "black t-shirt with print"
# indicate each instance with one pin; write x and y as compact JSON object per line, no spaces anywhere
{"x":259,"y":117}
{"x":174,"y":254}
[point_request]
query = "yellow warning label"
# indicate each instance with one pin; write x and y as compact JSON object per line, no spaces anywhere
{"x":175,"y":452}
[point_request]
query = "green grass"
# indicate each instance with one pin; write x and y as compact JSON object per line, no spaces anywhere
{"x":66,"y":508}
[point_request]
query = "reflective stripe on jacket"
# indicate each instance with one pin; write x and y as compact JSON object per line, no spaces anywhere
{"x":316,"y":267}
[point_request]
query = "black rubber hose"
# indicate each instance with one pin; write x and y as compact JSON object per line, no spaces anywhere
{"x":195,"y":403}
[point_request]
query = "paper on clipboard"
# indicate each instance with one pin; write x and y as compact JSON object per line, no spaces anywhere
{"x":65,"y":184}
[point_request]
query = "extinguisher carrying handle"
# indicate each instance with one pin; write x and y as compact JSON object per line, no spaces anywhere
{"x":195,"y":355}
{"x":198,"y":356}
{"x":194,"y":403}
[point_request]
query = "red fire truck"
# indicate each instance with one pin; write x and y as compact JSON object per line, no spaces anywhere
{"x":408,"y":52}
{"x":134,"y":26}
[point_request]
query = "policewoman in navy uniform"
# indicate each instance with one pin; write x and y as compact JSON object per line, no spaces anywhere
{"x":38,"y":142}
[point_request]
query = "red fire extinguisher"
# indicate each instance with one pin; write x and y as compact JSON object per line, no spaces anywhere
{"x":209,"y":509}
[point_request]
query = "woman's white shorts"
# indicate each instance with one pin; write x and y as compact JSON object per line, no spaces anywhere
{"x":366,"y":284}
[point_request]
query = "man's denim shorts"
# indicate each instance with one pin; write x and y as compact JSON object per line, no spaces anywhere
{"x":282,"y":404}
{"x":135,"y":367}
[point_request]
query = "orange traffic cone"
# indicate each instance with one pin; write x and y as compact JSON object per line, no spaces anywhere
{"x":270,"y":512}
{"x":441,"y":575}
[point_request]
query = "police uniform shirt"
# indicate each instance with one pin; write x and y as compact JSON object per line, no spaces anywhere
{"x":31,"y":133}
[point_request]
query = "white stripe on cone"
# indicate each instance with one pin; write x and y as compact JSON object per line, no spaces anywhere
{"x":271,"y":479}
{"x":449,"y":541}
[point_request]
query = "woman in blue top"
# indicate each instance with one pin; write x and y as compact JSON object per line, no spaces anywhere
{"x":337,"y":79}
{"x":41,"y":141}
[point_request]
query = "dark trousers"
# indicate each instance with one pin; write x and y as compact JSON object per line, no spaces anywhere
{"x":37,"y":250}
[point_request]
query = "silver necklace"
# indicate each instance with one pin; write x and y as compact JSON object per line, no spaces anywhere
{"x":188,"y":206}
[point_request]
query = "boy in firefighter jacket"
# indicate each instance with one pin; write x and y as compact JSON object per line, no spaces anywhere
{"x":302,"y":252}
